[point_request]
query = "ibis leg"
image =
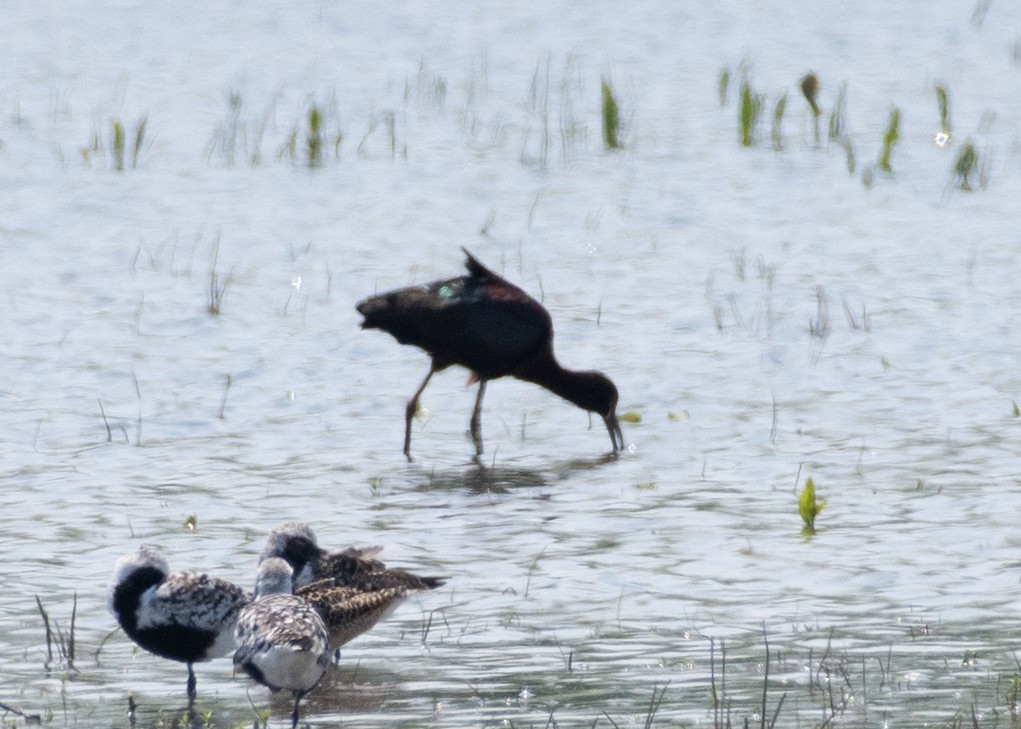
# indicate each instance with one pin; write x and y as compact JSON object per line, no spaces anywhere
{"x":476,"y":421}
{"x":616,"y":436}
{"x":409,"y":413}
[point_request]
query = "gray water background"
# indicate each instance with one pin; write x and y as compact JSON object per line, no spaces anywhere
{"x":688,"y":268}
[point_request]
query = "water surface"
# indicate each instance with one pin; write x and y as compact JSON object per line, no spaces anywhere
{"x":689,"y":269}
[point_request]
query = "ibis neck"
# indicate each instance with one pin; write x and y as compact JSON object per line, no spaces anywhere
{"x":546,"y":372}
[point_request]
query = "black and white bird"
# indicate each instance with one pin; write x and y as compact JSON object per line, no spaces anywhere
{"x":296,"y":543}
{"x":282,"y":641}
{"x":185,"y":616}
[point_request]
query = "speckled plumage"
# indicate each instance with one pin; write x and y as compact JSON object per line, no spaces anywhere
{"x":349,"y":611}
{"x":282,"y":641}
{"x":296,"y":543}
{"x":185,"y":616}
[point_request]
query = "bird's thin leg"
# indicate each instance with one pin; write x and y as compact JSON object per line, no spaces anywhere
{"x":616,"y":435}
{"x":294,"y":714}
{"x":476,"y":421}
{"x":191,"y":684}
{"x":409,"y":413}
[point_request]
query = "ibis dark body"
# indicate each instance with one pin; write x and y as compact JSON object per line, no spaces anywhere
{"x":490,"y":326}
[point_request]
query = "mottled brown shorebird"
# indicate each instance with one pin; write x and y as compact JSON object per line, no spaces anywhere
{"x":350,"y":588}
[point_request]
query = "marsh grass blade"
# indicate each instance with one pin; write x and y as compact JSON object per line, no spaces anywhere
{"x":966,"y":166}
{"x":723,"y":86}
{"x":943,"y":102}
{"x":751,"y":107}
{"x":611,"y":117}
{"x":314,"y":137}
{"x":118,"y":145}
{"x":890,"y":139}
{"x":136,"y":148}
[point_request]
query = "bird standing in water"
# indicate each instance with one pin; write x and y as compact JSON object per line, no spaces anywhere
{"x":350,"y":589}
{"x":296,"y":543}
{"x":282,"y":641}
{"x":485,"y":323}
{"x":184,"y":616}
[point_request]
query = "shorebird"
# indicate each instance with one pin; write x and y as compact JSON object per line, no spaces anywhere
{"x":490,"y":326}
{"x":351,"y":590}
{"x":296,"y":543}
{"x":282,"y":641}
{"x":185,"y":616}
{"x":349,"y":611}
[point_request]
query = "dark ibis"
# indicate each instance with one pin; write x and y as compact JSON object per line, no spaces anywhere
{"x":488,"y":325}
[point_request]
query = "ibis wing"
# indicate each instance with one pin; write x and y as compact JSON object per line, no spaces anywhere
{"x":487,"y":325}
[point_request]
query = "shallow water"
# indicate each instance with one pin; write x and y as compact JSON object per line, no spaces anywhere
{"x":686,"y":267}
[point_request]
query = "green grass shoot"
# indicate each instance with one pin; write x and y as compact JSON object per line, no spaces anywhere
{"x":966,"y":166}
{"x":809,"y":507}
{"x":724,"y":86}
{"x":118,"y":145}
{"x":631,"y":416}
{"x":777,"y":131}
{"x":611,"y":118}
{"x":751,"y":107}
{"x":1016,"y":410}
{"x":891,"y":138}
{"x":944,"y":108}
{"x":314,"y":138}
